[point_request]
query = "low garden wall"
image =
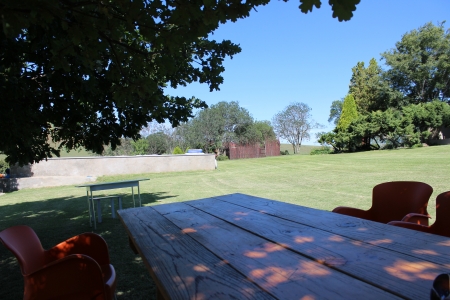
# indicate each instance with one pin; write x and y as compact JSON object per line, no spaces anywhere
{"x":77,"y":170}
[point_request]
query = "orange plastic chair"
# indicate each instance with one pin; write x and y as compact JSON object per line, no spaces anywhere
{"x":77,"y":268}
{"x":442,"y":224}
{"x":391,"y":201}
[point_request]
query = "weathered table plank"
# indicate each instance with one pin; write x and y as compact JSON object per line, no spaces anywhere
{"x":398,"y":273}
{"x":243,"y":247}
{"x":181,"y":267}
{"x":421,"y":245}
{"x":283,"y":273}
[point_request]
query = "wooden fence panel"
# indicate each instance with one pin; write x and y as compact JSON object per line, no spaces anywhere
{"x":234,"y":151}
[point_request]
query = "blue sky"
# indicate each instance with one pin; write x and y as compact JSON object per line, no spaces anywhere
{"x":288,"y":56}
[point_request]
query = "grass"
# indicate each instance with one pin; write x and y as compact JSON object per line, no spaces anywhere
{"x":319,"y":181}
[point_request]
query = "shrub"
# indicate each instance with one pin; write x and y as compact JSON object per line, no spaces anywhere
{"x":323,"y":150}
{"x":222,"y":157}
{"x":177,"y":150}
{"x":388,"y":146}
{"x":416,"y":146}
{"x":140,"y":147}
{"x":3,"y":166}
{"x":285,"y":152}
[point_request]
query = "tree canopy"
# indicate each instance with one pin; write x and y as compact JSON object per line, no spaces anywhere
{"x":369,"y":89}
{"x":335,"y":111}
{"x":419,"y":64}
{"x":88,"y":73}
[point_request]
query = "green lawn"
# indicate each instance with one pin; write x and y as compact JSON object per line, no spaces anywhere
{"x":319,"y":181}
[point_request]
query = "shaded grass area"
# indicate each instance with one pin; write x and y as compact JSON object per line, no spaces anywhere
{"x":319,"y":181}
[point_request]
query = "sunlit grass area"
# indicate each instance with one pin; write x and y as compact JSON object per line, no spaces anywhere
{"x":319,"y":181}
{"x":304,"y":149}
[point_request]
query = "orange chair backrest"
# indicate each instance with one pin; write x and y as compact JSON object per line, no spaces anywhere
{"x":391,"y":201}
{"x":442,"y":224}
{"x":23,"y":242}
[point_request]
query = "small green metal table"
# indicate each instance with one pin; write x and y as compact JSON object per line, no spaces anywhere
{"x":109,"y":186}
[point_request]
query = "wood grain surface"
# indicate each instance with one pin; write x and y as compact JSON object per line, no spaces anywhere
{"x":421,"y":245}
{"x":182,"y":268}
{"x":243,"y":247}
{"x":396,"y":272}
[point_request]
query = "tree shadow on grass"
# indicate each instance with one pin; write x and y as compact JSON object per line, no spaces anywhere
{"x":55,"y":220}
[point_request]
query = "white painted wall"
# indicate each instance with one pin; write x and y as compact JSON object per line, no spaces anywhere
{"x":114,"y":165}
{"x":79,"y":170}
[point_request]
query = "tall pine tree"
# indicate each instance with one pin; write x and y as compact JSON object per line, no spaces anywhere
{"x":367,"y":86}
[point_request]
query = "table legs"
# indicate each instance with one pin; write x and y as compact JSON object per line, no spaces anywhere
{"x":91,"y":205}
{"x":159,"y":295}
{"x":132,"y":246}
{"x":113,"y":211}
{"x":89,"y":209}
{"x":92,"y":212}
{"x":139,"y":193}
{"x":99,"y":211}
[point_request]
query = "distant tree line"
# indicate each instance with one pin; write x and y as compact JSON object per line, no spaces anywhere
{"x":403,"y":106}
{"x":210,"y":129}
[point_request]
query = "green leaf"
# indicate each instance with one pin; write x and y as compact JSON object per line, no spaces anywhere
{"x":307,"y":5}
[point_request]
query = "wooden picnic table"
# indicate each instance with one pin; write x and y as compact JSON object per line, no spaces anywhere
{"x":244,"y":247}
{"x":101,"y":186}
